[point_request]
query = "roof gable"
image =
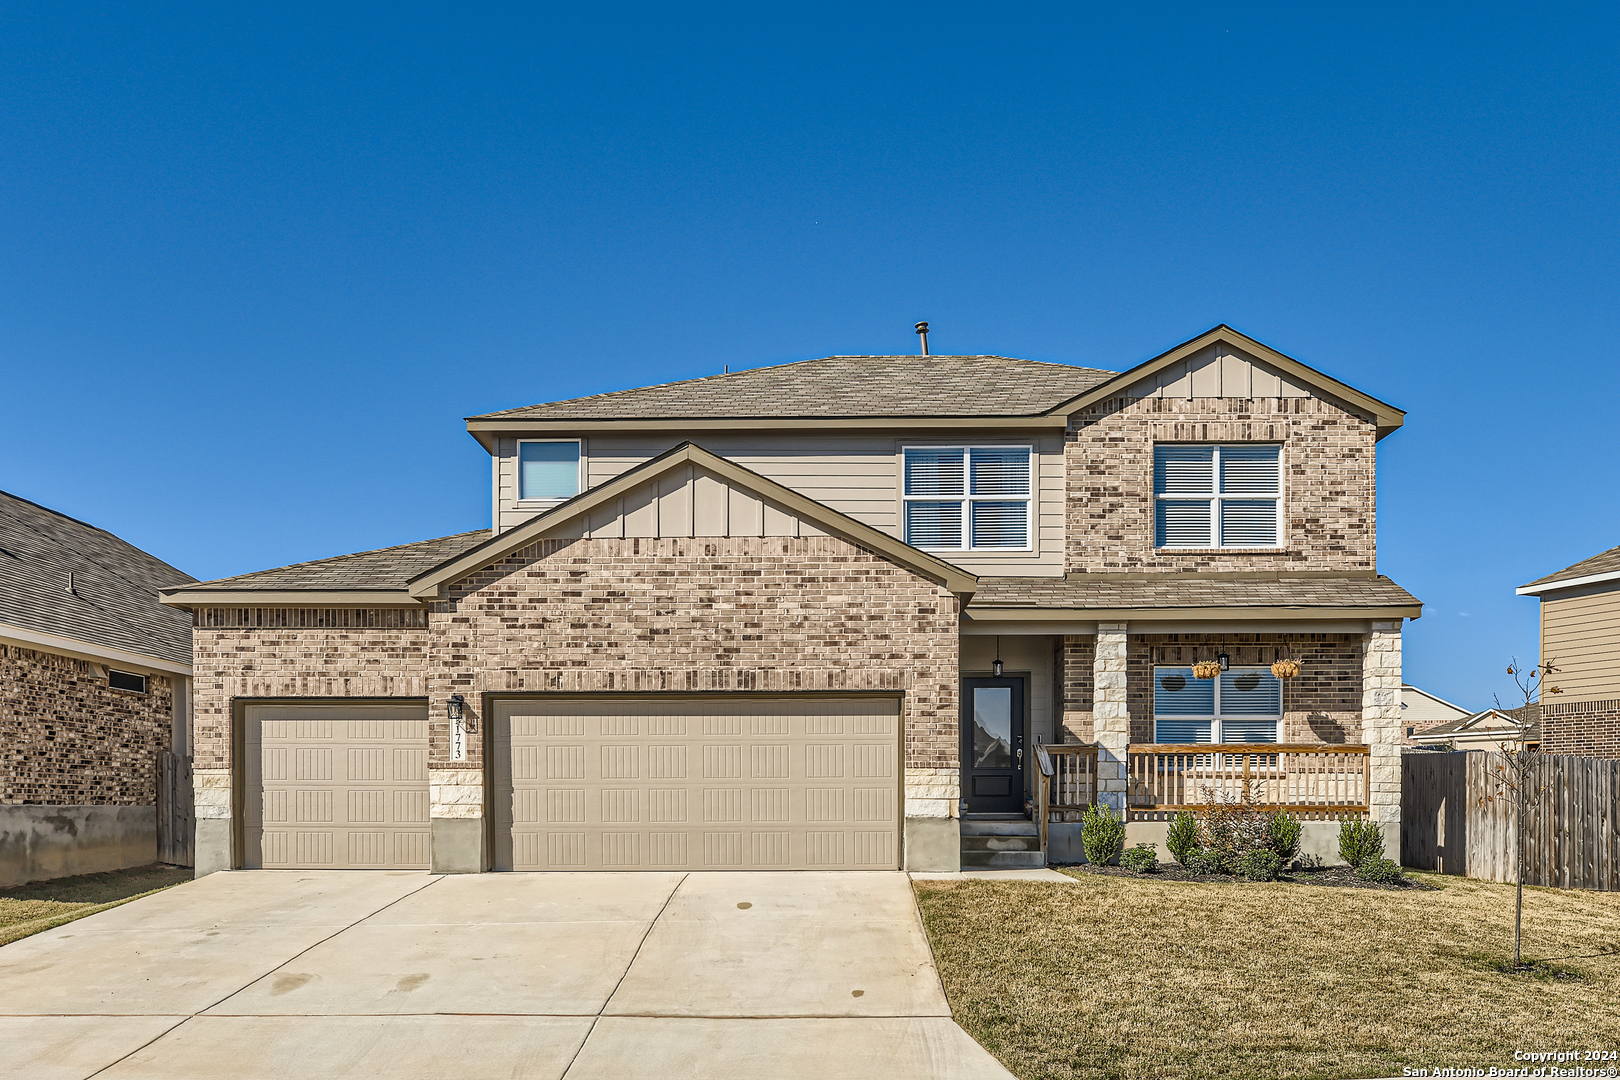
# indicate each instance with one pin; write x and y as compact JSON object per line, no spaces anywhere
{"x":1290,"y":376}
{"x":1604,"y":566}
{"x":694,"y":491}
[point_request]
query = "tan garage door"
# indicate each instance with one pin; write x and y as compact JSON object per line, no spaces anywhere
{"x":336,"y":787}
{"x":715,"y":783}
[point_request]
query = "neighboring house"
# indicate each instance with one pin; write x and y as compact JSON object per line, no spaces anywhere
{"x":93,"y":684}
{"x":1422,"y":711}
{"x":828,"y":614}
{"x":1493,"y":729}
{"x":1580,"y":637}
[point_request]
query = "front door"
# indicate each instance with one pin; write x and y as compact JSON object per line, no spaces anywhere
{"x":993,"y":745}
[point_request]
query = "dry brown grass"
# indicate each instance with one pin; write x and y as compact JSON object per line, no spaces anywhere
{"x":40,"y":905}
{"x":1125,"y":978}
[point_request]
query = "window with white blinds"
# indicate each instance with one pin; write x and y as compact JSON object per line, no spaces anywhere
{"x":1207,"y":496}
{"x":1244,"y":705}
{"x":968,"y":497}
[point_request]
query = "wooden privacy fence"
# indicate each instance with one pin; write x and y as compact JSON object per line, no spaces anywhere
{"x":175,"y":824}
{"x":1308,"y":781}
{"x":1570,"y":835}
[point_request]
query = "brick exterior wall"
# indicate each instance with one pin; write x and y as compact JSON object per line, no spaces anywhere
{"x":632,"y":615}
{"x":1328,"y":481}
{"x":69,"y":739}
{"x":1321,"y":705}
{"x":1581,"y":728}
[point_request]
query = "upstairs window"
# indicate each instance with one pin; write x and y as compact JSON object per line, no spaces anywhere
{"x":548,"y":470}
{"x":1217,"y":496}
{"x":963,"y":498}
{"x":1242,"y":706}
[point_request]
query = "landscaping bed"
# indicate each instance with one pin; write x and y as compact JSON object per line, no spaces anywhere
{"x":40,"y":905}
{"x":1122,"y":976}
{"x":1331,"y":876}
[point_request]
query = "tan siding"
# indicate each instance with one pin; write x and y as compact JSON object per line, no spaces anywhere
{"x":1581,"y":635}
{"x":1218,"y":371}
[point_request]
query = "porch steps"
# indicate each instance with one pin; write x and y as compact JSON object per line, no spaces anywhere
{"x":1001,"y":845}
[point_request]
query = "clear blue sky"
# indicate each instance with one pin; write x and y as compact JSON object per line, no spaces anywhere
{"x":258,"y":264}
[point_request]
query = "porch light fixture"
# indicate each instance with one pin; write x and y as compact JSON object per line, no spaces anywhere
{"x":457,"y":703}
{"x":1226,"y":662}
{"x":996,"y":667}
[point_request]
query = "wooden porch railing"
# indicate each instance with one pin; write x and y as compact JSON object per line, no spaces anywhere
{"x":1073,"y":783}
{"x":1310,"y":781}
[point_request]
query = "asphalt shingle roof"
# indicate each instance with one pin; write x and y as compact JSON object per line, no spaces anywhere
{"x":1171,"y":590}
{"x":836,"y":386}
{"x":384,"y":568}
{"x":114,"y":601}
{"x":1606,"y":562}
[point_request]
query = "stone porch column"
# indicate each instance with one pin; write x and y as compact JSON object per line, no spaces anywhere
{"x":1111,"y":719}
{"x":1381,"y":727}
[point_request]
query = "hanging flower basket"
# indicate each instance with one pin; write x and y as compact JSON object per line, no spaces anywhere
{"x":1206,"y":669}
{"x":1285,"y":669}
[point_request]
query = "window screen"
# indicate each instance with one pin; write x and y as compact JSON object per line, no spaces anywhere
{"x":1216,"y":495}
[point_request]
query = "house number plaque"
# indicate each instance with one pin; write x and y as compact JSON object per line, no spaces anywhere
{"x":458,"y":739}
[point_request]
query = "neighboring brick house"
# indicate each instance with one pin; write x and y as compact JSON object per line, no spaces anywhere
{"x":831,"y":614}
{"x":93,"y":684}
{"x":1580,"y":637}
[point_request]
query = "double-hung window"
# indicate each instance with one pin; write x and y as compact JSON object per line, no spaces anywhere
{"x":547,"y":469}
{"x":1243,"y":705}
{"x":967,"y":497}
{"x":1214,"y":496}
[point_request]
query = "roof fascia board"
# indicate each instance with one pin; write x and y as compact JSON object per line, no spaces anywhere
{"x":1534,"y":589}
{"x":1435,"y":697}
{"x":1387,"y":416}
{"x":431,"y":584}
{"x":288,"y":598}
{"x":89,"y":650}
{"x":598,"y":425}
{"x":1188,"y":614}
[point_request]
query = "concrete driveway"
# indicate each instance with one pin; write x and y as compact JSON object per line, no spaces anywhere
{"x":270,"y":974}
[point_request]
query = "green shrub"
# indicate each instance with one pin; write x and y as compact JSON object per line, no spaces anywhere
{"x":1261,"y":864}
{"x":1181,"y":839}
{"x":1381,"y":871}
{"x":1282,"y":836}
{"x":1143,"y":859}
{"x":1101,"y":834}
{"x":1360,"y":841}
{"x":1204,"y":861}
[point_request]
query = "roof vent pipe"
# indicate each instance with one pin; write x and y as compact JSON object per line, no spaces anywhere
{"x":922,"y":332}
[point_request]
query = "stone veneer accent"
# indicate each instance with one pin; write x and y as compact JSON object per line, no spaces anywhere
{"x":69,"y":739}
{"x":1328,"y":481}
{"x":1581,"y":728}
{"x":1381,"y":724}
{"x":1110,"y":711}
{"x":710,"y":614}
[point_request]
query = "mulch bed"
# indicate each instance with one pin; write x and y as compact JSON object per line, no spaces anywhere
{"x":1341,"y":877}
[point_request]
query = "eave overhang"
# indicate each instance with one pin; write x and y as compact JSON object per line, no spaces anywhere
{"x":1543,"y":587}
{"x":307,"y":598}
{"x":89,"y":650}
{"x":487,"y":431}
{"x":1186,"y":614}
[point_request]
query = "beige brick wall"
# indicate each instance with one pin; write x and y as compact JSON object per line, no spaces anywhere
{"x":636,"y":615}
{"x":1328,"y":481}
{"x":69,"y":739}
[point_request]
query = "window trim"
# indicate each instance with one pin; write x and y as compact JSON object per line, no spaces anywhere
{"x":967,"y":498}
{"x":1215,"y":718}
{"x":517,"y":474}
{"x":1214,"y":499}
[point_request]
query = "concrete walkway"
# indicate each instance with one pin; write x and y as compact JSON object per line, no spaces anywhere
{"x":267,"y":974}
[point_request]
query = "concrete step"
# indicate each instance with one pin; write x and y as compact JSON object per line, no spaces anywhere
{"x":1000,"y":843}
{"x":1019,"y":827}
{"x":1003,"y":860}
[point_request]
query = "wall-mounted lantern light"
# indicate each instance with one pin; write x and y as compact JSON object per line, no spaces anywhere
{"x":457,"y":704}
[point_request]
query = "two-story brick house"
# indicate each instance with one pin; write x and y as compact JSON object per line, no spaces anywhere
{"x":840,"y":613}
{"x":1580,"y":636}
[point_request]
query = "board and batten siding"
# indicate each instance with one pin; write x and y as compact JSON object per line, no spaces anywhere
{"x":1219,"y":371}
{"x":1580,"y":634}
{"x":857,"y":475}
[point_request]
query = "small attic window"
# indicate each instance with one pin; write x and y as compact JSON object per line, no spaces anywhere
{"x":548,"y":469}
{"x":126,"y":680}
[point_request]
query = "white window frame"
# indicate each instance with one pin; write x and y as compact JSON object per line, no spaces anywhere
{"x":1215,"y":499}
{"x":968,"y":499}
{"x":517,"y":474}
{"x":1215,"y":732}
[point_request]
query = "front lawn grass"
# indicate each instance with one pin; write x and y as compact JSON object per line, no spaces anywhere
{"x":40,"y":905}
{"x":1132,"y":977}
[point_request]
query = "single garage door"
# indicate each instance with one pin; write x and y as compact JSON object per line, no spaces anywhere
{"x":333,"y":787}
{"x":714,"y":783}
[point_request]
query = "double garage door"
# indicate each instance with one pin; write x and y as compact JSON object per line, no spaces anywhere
{"x":610,"y":783}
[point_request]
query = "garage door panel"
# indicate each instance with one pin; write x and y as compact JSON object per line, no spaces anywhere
{"x":336,"y":787}
{"x":744,"y":783}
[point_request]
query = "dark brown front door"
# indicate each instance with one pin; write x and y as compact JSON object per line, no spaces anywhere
{"x":993,"y":745}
